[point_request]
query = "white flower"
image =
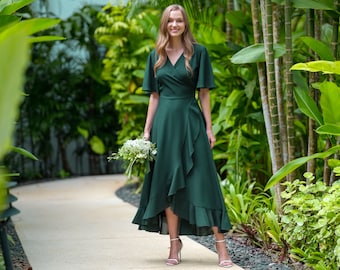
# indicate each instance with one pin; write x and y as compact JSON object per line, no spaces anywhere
{"x":136,"y":152}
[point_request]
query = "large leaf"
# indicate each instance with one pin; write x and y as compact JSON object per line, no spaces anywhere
{"x":327,"y":67}
{"x":9,"y":7}
{"x":307,"y":105}
{"x":329,"y":130}
{"x":255,"y":53}
{"x":35,"y":25}
{"x":226,"y":110}
{"x":324,"y":51}
{"x":237,"y":18}
{"x":310,"y":4}
{"x":314,"y":4}
{"x":24,"y":152}
{"x":329,"y":102}
{"x":14,"y":55}
{"x":7,"y":20}
{"x":296,"y":163}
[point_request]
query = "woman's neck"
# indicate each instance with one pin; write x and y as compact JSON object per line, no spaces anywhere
{"x":175,"y":44}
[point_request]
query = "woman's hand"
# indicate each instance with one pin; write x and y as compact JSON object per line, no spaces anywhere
{"x":146,"y":136}
{"x":211,"y":138}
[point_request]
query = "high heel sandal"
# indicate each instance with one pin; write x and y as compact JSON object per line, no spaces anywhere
{"x":174,"y":261}
{"x":223,"y":263}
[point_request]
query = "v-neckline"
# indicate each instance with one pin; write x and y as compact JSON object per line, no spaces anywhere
{"x":176,"y":61}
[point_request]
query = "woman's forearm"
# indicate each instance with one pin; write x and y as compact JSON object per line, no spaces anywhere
{"x":153,"y":104}
{"x":204,"y":98}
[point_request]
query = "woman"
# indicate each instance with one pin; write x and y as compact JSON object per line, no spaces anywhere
{"x":181,"y":194}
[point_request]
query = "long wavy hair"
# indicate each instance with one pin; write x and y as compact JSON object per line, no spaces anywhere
{"x":164,"y":37}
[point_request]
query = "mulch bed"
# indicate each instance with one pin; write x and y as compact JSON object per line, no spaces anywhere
{"x":18,"y":256}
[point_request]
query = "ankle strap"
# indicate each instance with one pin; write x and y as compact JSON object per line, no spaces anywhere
{"x":175,"y":239}
{"x":220,"y":241}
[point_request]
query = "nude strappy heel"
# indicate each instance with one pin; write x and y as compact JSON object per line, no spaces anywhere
{"x":223,"y":263}
{"x":174,"y":261}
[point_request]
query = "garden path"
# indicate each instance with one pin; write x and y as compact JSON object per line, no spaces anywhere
{"x":80,"y":224}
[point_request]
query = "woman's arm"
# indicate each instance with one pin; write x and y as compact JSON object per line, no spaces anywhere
{"x":153,"y":104}
{"x":204,"y":97}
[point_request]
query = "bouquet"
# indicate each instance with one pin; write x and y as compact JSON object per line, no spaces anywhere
{"x":137,"y":155}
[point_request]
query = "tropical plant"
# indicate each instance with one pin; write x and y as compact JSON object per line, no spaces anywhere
{"x":15,"y":43}
{"x":254,"y":216}
{"x":128,"y":34}
{"x":68,"y":110}
{"x":328,"y":118}
{"x":16,"y":39}
{"x":310,"y":222}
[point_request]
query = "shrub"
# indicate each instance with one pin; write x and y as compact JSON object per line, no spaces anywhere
{"x":311,"y":222}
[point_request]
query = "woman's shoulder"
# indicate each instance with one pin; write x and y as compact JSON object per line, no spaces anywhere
{"x":199,"y":47}
{"x":152,"y":52}
{"x":153,"y":55}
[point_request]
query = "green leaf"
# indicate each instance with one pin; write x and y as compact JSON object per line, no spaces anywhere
{"x":14,"y":55}
{"x":138,"y":99}
{"x":97,"y":145}
{"x":7,"y":20}
{"x":237,"y":18}
{"x":329,"y":129}
{"x":314,"y":4}
{"x":329,"y":102}
{"x":83,"y":132}
{"x":255,"y":53}
{"x":35,"y":25}
{"x":11,"y":7}
{"x":327,"y":67}
{"x":296,"y":163}
{"x":307,"y":105}
{"x":228,"y":106}
{"x":45,"y":38}
{"x":333,"y":162}
{"x":324,"y":51}
{"x":24,"y":152}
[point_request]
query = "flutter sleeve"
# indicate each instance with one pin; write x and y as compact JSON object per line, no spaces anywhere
{"x":205,"y":77}
{"x":150,"y":81}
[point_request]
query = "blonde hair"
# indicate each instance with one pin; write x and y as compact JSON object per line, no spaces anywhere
{"x":163,"y":38}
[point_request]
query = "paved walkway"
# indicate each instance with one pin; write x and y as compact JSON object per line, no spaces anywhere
{"x":80,"y":224}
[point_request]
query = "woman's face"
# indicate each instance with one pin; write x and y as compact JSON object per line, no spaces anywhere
{"x":176,"y":25}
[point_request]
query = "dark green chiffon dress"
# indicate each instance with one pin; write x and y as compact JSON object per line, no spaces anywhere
{"x":183,"y":175}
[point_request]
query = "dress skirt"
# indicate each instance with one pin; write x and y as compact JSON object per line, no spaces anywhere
{"x":183,"y":175}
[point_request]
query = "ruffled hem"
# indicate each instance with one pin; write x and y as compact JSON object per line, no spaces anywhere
{"x":200,"y":221}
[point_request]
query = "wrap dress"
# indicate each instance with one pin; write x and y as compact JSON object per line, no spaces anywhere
{"x":183,"y":175}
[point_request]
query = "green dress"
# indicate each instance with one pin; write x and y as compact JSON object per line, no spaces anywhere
{"x":183,"y":175}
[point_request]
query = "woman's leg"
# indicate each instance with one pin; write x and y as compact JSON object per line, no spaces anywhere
{"x":221,"y":248}
{"x":175,"y":245}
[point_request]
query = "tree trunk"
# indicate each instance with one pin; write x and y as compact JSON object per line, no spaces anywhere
{"x":275,"y":140}
{"x":261,"y":70}
{"x":289,"y":85}
{"x":311,"y":123}
{"x":229,"y":27}
{"x":335,"y":24}
{"x":277,"y":15}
